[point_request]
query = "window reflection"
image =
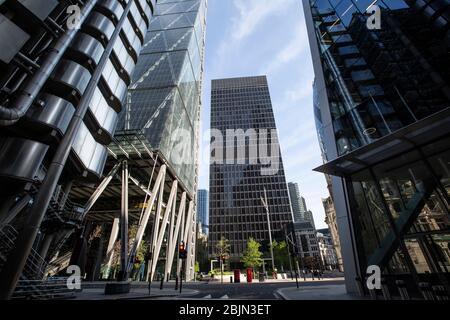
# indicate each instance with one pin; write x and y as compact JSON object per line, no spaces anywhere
{"x":417,"y":256}
{"x":411,"y":190}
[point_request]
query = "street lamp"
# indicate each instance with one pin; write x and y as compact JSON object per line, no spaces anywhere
{"x":266,"y":206}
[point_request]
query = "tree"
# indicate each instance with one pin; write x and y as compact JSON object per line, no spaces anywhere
{"x":140,"y":254}
{"x":223,"y":251}
{"x":201,"y":250}
{"x":197,"y":267}
{"x":252,"y":257}
{"x":223,"y":248}
{"x":280,"y":253}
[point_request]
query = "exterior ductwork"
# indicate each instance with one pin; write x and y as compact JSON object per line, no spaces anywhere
{"x":20,"y":105}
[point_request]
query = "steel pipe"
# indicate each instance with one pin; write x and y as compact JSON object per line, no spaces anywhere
{"x":20,"y":104}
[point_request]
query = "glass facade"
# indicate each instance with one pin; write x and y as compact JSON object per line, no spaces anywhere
{"x":297,"y":201}
{"x":379,"y":81}
{"x":401,"y":209}
{"x":236,"y":210}
{"x":164,"y":98}
{"x":203,"y":210}
{"x":378,"y":98}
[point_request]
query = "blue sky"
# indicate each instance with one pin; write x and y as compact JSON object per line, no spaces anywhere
{"x":266,"y":37}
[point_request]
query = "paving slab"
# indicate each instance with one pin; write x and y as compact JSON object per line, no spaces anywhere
{"x":322,"y":292}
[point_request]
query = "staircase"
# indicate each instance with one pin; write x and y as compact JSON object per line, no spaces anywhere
{"x":69,"y":215}
{"x":58,"y":264}
{"x":31,"y":284}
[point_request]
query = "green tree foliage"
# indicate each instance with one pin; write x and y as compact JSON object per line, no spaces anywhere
{"x":197,"y":267}
{"x":252,"y":257}
{"x":143,"y":247}
{"x":201,"y":250}
{"x":280,"y":253}
{"x":140,"y":255}
{"x":223,"y":247}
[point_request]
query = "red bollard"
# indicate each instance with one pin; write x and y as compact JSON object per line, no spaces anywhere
{"x":249,"y":275}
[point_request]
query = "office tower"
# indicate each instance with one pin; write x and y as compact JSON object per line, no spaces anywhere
{"x":164,"y":99}
{"x":163,"y":106}
{"x":327,"y":253}
{"x":381,"y":99}
{"x":302,"y":206}
{"x":330,"y":220}
{"x":203,"y":210}
{"x":62,"y":87}
{"x":156,"y":145}
{"x":306,"y":244}
{"x":296,"y":201}
{"x":241,"y":110}
{"x":308,"y":216}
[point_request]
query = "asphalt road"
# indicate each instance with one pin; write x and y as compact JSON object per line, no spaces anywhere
{"x":253,"y":291}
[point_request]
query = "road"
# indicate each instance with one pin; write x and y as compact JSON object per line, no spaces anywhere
{"x":253,"y":291}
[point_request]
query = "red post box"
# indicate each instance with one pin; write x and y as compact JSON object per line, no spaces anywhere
{"x":249,"y":275}
{"x":237,"y":276}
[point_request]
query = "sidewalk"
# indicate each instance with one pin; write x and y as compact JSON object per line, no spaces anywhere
{"x":322,"y":292}
{"x":96,"y":291}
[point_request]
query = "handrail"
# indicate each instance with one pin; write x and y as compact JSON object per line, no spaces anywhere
{"x":36,"y":264}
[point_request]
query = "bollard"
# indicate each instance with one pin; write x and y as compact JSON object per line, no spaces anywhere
{"x":231,"y":279}
{"x":402,"y":289}
{"x":385,"y":289}
{"x":176,"y":283}
{"x":162,"y":283}
{"x":426,"y":290}
{"x":168,"y":277}
{"x":440,"y":293}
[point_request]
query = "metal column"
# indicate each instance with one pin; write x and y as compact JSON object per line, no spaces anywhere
{"x":110,"y":249}
{"x":124,"y":224}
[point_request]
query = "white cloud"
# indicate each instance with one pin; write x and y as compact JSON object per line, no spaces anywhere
{"x":252,"y":12}
{"x":303,"y":90}
{"x":249,"y":16}
{"x":297,"y":45}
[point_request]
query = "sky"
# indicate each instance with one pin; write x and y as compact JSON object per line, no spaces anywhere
{"x":266,"y":37}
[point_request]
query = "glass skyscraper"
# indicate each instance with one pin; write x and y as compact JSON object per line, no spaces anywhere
{"x":203,"y":209}
{"x":297,"y":201}
{"x":164,"y":98}
{"x":381,"y":101}
{"x":237,"y":185}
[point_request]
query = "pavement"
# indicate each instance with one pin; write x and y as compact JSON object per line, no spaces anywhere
{"x":320,"y":292}
{"x":332,"y":288}
{"x":138,"y":291}
{"x":268,"y":290}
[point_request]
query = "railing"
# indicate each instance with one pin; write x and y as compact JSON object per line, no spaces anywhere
{"x":58,"y":264}
{"x":69,"y":212}
{"x":35,"y":265}
{"x":43,"y":289}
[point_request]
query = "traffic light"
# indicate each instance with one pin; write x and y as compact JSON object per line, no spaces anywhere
{"x":182,"y":253}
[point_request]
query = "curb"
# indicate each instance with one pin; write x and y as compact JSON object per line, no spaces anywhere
{"x":281,"y":294}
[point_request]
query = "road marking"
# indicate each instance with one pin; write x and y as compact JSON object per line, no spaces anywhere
{"x":207,"y":297}
{"x":277,"y":296}
{"x":224,"y":297}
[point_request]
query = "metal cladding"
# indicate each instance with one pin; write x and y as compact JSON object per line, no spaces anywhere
{"x":47,"y":118}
